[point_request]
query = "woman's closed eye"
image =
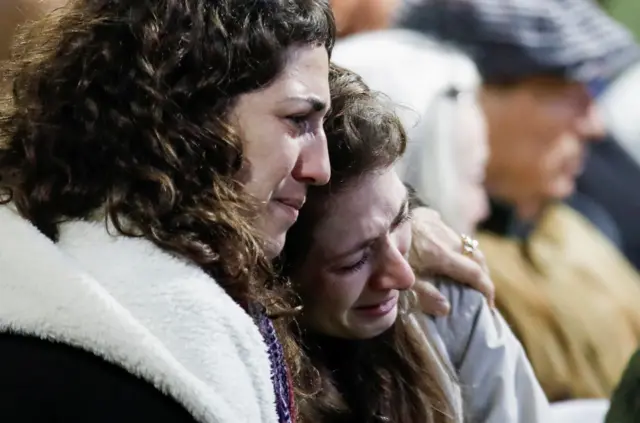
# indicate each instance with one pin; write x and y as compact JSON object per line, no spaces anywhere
{"x":403,"y":219}
{"x":302,"y":122}
{"x":354,"y":267}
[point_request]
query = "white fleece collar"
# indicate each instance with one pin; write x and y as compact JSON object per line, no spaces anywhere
{"x":133,"y":304}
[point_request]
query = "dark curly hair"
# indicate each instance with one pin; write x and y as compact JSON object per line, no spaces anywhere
{"x":119,"y":108}
{"x":391,"y":376}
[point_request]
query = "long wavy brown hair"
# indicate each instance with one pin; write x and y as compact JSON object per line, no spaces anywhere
{"x":391,"y":376}
{"x":120,"y":108}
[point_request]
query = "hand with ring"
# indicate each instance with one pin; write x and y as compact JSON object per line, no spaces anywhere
{"x":436,"y":249}
{"x":469,"y":245}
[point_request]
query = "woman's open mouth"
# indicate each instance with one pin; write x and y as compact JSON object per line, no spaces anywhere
{"x":379,"y":309}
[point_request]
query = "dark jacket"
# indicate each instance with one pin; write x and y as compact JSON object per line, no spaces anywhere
{"x":625,"y":405}
{"x":44,"y":381}
{"x":611,"y":179}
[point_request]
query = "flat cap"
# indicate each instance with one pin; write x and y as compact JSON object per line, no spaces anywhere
{"x":514,"y":39}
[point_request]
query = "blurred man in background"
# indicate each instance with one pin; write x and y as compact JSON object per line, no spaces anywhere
{"x":565,"y":289}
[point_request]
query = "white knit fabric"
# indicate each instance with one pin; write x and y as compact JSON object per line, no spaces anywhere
{"x":131,"y":303}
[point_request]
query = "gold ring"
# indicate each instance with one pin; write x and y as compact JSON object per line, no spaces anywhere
{"x":469,"y":245}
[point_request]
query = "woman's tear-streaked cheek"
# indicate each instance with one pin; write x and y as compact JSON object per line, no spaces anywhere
{"x":348,"y":289}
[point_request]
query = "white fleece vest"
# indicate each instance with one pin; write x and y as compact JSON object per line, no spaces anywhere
{"x":129,"y":302}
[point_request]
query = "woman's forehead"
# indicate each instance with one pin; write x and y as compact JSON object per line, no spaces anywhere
{"x":364,"y":208}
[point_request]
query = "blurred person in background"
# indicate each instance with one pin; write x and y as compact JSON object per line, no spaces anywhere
{"x":435,"y":90}
{"x":566,"y":291}
{"x":353,"y":16}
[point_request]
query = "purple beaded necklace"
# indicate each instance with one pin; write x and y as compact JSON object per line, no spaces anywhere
{"x":279,"y":370}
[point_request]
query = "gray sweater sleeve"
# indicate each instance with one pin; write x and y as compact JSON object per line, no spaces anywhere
{"x":496,"y":379}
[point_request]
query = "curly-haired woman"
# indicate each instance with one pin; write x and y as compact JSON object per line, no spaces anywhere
{"x":134,"y":143}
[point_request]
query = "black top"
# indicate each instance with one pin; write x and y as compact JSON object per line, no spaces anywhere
{"x":611,"y":178}
{"x":504,"y":221}
{"x":625,"y":404}
{"x":42,"y":381}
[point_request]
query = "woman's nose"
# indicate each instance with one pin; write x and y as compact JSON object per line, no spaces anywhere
{"x":313,"y":166}
{"x":394,"y":271}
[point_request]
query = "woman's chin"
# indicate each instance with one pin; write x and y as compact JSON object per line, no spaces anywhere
{"x":374,"y":327}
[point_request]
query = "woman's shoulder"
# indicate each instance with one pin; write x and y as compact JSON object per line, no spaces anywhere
{"x":472,"y":327}
{"x":469,"y":312}
{"x":44,"y":380}
{"x":130,"y":303}
{"x":463,"y":299}
{"x":452,"y":334}
{"x":497,"y":381}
